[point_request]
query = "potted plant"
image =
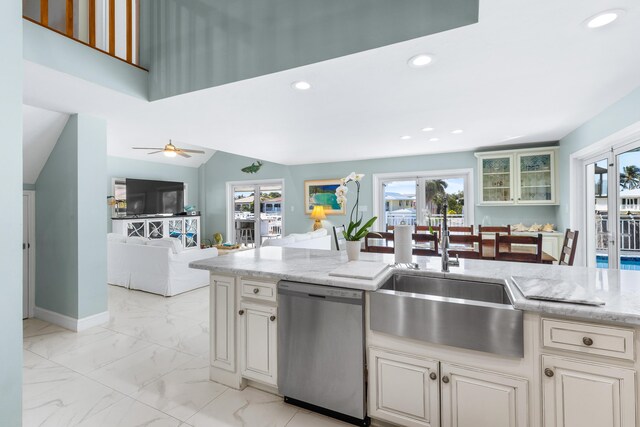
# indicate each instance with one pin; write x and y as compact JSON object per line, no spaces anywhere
{"x":356,"y":230}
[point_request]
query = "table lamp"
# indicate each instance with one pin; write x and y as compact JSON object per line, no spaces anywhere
{"x":318,"y":214}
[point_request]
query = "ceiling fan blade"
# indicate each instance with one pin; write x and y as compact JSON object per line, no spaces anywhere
{"x":192,"y":151}
{"x":181,"y":153}
{"x":146,"y":148}
{"x":155,"y":152}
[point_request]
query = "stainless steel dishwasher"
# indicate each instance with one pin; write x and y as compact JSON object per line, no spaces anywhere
{"x":321,"y":359}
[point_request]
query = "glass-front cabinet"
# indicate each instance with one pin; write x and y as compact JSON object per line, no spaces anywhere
{"x":518,"y":177}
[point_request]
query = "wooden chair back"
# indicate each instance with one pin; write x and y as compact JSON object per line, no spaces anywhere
{"x":472,"y":246}
{"x":338,"y":238}
{"x":568,"y":252}
{"x":496,"y":229}
{"x":504,"y":250}
{"x":425,"y":238}
{"x":390,"y":227}
{"x":425,"y":229}
{"x":382,"y":239}
{"x":460,"y":229}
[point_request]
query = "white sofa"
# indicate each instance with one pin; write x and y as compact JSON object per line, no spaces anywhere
{"x":159,"y":266}
{"x":319,"y":239}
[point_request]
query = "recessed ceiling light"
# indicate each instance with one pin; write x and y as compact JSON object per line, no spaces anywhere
{"x":301,"y":85}
{"x":405,"y":137}
{"x":421,"y":60}
{"x":434,"y":139}
{"x":427,"y":129}
{"x":457,"y":131}
{"x":603,"y":18}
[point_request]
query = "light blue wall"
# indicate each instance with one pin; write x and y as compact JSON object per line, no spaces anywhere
{"x":120,"y":167}
{"x":71,"y":276}
{"x":618,"y":116}
{"x":223,"y":167}
{"x":60,"y":53}
{"x":191,"y":45}
{"x":28,"y":187}
{"x":10,"y":250}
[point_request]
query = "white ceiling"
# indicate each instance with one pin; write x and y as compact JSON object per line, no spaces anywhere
{"x":528,"y":68}
{"x":41,"y":129}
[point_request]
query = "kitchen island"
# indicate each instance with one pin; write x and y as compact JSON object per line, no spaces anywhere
{"x":579,"y":363}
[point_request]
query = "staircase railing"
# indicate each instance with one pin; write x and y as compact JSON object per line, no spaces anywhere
{"x":110,"y":26}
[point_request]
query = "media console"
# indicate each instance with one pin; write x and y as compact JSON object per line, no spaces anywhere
{"x":183,"y":227}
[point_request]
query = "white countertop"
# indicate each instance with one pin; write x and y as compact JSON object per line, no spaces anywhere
{"x":619,"y":289}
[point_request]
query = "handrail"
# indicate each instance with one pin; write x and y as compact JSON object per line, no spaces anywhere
{"x":127,"y":53}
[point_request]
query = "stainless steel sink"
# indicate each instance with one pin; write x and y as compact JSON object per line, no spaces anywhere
{"x":459,"y":313}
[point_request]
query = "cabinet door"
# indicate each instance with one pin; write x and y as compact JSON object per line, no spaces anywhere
{"x":583,"y":394}
{"x":191,"y":233}
{"x":403,"y":389}
{"x":536,"y":178}
{"x":258,"y":342}
{"x":496,"y":180}
{"x":222,"y":327}
{"x":472,"y":398}
{"x":136,"y":229}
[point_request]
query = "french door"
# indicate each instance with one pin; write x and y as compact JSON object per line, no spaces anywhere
{"x":256,"y":212}
{"x":613,"y":208}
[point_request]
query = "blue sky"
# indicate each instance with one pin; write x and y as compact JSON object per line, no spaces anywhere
{"x":409,"y":187}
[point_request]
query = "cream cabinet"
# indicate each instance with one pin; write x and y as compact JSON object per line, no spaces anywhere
{"x":473,"y":397}
{"x":414,"y":391}
{"x":578,"y":393}
{"x":222,"y":318}
{"x":518,"y":177}
{"x":403,"y":389}
{"x":258,"y":342}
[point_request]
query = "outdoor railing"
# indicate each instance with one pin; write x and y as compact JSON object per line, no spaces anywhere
{"x":629,"y":232}
{"x":110,"y":26}
{"x":392,"y":218}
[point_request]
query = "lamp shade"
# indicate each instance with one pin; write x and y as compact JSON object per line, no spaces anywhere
{"x":318,"y":212}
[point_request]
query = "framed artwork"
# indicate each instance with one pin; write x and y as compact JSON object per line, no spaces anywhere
{"x":322,"y":192}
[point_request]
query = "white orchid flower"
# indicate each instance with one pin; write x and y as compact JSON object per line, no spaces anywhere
{"x":341,"y":200}
{"x":342,"y":189}
{"x":351,"y":177}
{"x":359,"y":176}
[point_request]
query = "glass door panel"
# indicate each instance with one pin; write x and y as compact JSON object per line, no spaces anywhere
{"x":399,"y":199}
{"x":244,"y":216}
{"x":535,"y":177}
{"x":436,"y":191}
{"x":271,"y":202}
{"x":496,"y":180}
{"x":598,"y":233}
{"x":628,"y":209}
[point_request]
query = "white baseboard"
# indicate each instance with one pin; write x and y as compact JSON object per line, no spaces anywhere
{"x":71,"y":323}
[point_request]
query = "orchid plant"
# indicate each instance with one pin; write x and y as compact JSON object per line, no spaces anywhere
{"x":355,"y":231}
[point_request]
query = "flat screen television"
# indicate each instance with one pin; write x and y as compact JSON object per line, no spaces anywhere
{"x":147,"y":197}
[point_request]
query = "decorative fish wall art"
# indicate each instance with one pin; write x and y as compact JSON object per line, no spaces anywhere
{"x":253,"y":168}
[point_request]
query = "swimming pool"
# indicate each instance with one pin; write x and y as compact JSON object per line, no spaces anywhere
{"x":626,"y":262}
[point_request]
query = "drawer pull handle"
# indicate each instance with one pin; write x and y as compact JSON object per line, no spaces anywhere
{"x":241,"y":312}
{"x":433,"y":376}
{"x":548,"y":372}
{"x":445,"y":379}
{"x":256,"y":290}
{"x":272,"y":318}
{"x":587,"y":341}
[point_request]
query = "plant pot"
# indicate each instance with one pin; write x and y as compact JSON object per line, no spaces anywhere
{"x":353,"y":249}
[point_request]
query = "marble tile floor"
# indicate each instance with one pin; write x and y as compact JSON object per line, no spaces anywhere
{"x":147,"y":367}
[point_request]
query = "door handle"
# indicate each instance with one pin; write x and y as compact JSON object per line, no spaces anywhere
{"x":24,"y":246}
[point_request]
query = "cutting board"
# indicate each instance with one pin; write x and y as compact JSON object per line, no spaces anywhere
{"x":555,"y":290}
{"x":360,"y":270}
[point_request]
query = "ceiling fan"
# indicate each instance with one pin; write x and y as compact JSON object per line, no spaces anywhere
{"x":170,"y":150}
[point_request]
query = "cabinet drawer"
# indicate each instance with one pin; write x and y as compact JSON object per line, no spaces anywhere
{"x":588,"y":338}
{"x":258,"y":290}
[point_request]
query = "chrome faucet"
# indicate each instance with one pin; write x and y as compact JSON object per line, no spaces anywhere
{"x":444,"y":242}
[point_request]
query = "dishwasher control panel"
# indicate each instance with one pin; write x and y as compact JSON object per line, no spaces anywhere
{"x":319,"y":290}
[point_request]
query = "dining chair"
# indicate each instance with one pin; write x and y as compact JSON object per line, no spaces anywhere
{"x":504,"y":250}
{"x":423,"y":239}
{"x":569,"y":246}
{"x":460,"y":229}
{"x":470,"y":246}
{"x":384,"y":248}
{"x":390,"y":227}
{"x":494,"y":230}
{"x":338,"y":238}
{"x":426,"y":229}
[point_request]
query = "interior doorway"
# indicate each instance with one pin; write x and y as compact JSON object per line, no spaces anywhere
{"x":28,"y":253}
{"x":255,"y":211}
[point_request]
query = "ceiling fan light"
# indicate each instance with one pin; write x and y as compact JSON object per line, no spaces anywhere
{"x":169,"y":153}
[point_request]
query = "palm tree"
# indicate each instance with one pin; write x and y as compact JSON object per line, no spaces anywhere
{"x":433,"y":188}
{"x":630,"y":177}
